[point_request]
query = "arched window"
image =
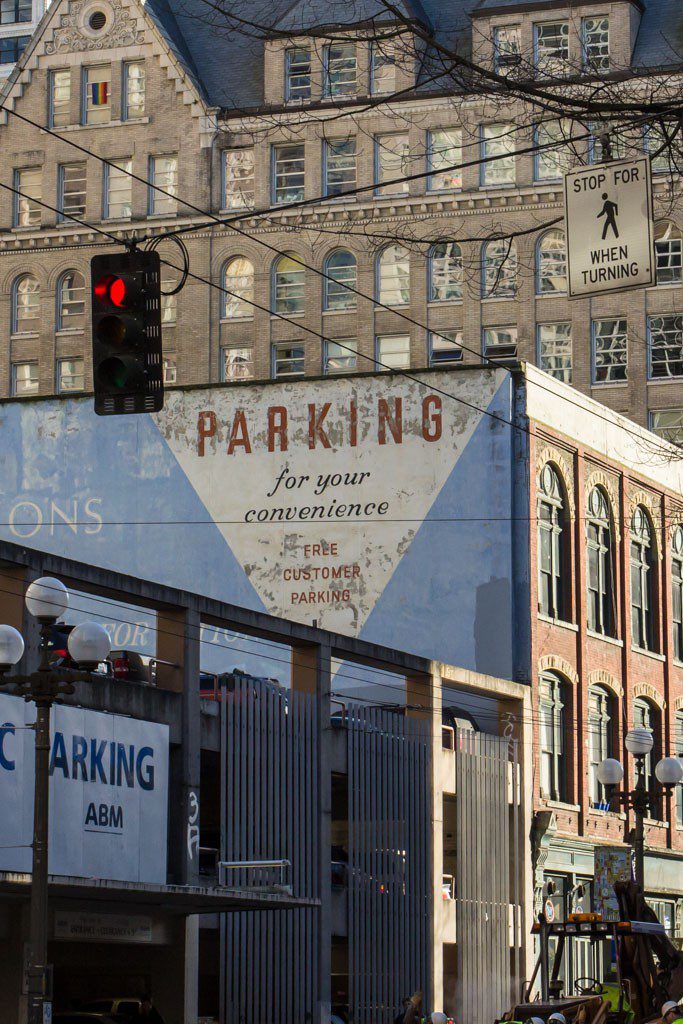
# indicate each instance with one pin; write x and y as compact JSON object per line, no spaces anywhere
{"x":290,"y":281}
{"x":642,"y":580}
{"x":445,"y":272}
{"x":393,"y":276}
{"x":71,"y":301}
{"x":238,"y":281}
{"x":669,"y":253}
{"x":25,"y":304}
{"x":599,"y":569}
{"x":551,"y":263}
{"x":601,"y":722}
{"x":553,"y":718}
{"x":647,"y":715}
{"x":499,"y":269}
{"x":340,"y":270}
{"x":677,"y":591}
{"x":678,"y":751}
{"x":552,"y":583}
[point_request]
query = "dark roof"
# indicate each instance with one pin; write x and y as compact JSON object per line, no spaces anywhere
{"x":660,"y":39}
{"x":307,"y":13}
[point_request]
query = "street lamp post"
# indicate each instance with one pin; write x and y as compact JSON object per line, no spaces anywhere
{"x":46,"y":599}
{"x":669,"y":772}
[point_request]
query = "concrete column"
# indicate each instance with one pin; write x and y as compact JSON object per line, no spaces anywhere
{"x":191,"y":1006}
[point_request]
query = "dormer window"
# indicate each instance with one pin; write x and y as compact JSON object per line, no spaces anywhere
{"x":340,"y":69}
{"x":595,"y":40}
{"x":507,"y":47}
{"x":551,"y":47}
{"x":298,"y":74}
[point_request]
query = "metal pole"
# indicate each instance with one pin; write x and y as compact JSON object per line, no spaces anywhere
{"x":37,"y":971}
{"x":639,"y":802}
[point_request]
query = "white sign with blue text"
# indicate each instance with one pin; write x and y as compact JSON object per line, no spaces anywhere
{"x":108,"y":793}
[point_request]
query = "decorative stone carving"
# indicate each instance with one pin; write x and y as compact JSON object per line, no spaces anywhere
{"x":121,"y":28}
{"x":600,"y":677}
{"x":678,"y":704}
{"x":551,"y":453}
{"x":543,"y":829}
{"x":554,"y":663}
{"x":648,"y":690}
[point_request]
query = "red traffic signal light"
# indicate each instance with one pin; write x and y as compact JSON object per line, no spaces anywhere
{"x":119,"y":290}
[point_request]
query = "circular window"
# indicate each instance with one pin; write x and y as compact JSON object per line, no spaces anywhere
{"x":97,"y":20}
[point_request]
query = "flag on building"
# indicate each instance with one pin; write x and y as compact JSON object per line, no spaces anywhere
{"x":100,"y":93}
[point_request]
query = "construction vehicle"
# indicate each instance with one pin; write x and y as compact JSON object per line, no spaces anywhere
{"x":649,"y":968}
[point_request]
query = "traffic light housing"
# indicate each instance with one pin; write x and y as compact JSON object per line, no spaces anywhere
{"x":126,"y":333}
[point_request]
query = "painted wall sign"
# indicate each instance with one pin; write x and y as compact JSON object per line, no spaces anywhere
{"x":75,"y":926}
{"x":108,"y":793}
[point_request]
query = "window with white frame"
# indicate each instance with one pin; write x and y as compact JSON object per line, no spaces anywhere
{"x":71,"y":301}
{"x":70,"y":375}
{"x":163,"y":174}
{"x":12,"y":47}
{"x":97,"y":94}
{"x":340,"y":276}
{"x":24,"y":379}
{"x":669,"y":253}
{"x":340,"y":166}
{"x":647,"y":715}
{"x":298,"y":73}
{"x":237,"y":364}
{"x":25,"y":305}
{"x":677,"y":593}
{"x":383,"y":68}
{"x":60,"y":98}
{"x":642,"y":580}
{"x":551,"y":48}
{"x":445,"y":347}
{"x":118,"y":189}
{"x":169,"y":302}
{"x":340,"y":356}
{"x":551,"y":263}
{"x":170,"y":369}
{"x":497,"y":155}
{"x":444,"y":154}
{"x":667,"y":424}
{"x":392,"y":162}
{"x":552,"y":544}
{"x":657,"y":139}
{"x":552,"y":164}
{"x":500,"y":343}
{"x":601,"y":716}
{"x":552,"y":715}
{"x":393,"y":276}
{"x":72,"y":190}
{"x":13,"y":12}
{"x":595,"y":40}
{"x":600,"y":591}
{"x":610,"y":350}
{"x":133,"y":90}
{"x":288,"y":359}
{"x":238,"y":282}
{"x":507,"y":48}
{"x":499,"y":269}
{"x":393,"y":351}
{"x":238,"y":179}
{"x":665,"y":343}
{"x":289,"y":285}
{"x":445,"y":272}
{"x":555,"y":350}
{"x":340,"y":69}
{"x":27,"y":209}
{"x":289,"y":181}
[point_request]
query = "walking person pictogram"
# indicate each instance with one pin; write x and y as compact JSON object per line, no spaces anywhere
{"x":610,"y":211}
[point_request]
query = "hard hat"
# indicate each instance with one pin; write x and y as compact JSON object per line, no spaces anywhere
{"x":669,"y":1006}
{"x":559,"y":1017}
{"x":535,"y":1020}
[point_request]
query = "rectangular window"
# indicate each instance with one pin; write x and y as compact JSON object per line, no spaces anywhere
{"x":12,"y":47}
{"x":497,"y":155}
{"x":27,"y":209}
{"x":169,"y":303}
{"x":133,"y":90}
{"x":288,"y":360}
{"x":163,"y":172}
{"x":610,"y":351}
{"x":118,"y":189}
{"x":668,"y":253}
{"x":14,"y":11}
{"x":507,"y":48}
{"x":444,"y":154}
{"x":665,"y":338}
{"x":555,"y":350}
{"x":341,"y":356}
{"x":551,"y":48}
{"x":238,"y":179}
{"x":392,"y":161}
{"x":445,"y":348}
{"x":72,"y":188}
{"x":667,"y":424}
{"x":595,"y":38}
{"x":500,"y":343}
{"x":70,"y":375}
{"x":657,"y":143}
{"x":170,"y":370}
{"x":552,"y":164}
{"x":393,"y":351}
{"x":288,"y":174}
{"x":298,"y":74}
{"x":383,"y":69}
{"x":340,"y":69}
{"x":97,"y":94}
{"x":60,"y":98}
{"x":24,"y":379}
{"x":340,"y":166}
{"x":237,"y":364}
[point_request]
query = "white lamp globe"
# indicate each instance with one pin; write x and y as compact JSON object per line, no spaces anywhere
{"x":610,"y":772}
{"x":669,"y":771}
{"x":11,"y":647}
{"x":639,"y":742}
{"x":438,"y":1017}
{"x":47,"y":598}
{"x":89,"y":643}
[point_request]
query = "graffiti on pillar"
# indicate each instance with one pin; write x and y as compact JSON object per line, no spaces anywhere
{"x":193,"y":826}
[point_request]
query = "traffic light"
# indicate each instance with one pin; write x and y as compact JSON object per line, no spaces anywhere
{"x":126,"y":333}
